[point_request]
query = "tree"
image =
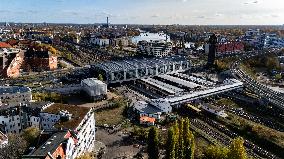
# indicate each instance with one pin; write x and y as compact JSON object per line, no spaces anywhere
{"x":85,"y":156}
{"x":216,"y":152}
{"x":180,"y":142}
{"x":171,"y":144}
{"x":100,"y":77}
{"x":278,"y":76}
{"x":15,"y":148}
{"x":30,"y":135}
{"x":189,"y":144}
{"x":153,"y":143}
{"x":237,"y":149}
{"x":120,"y":45}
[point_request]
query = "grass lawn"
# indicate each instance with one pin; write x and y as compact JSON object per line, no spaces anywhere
{"x":110,"y":116}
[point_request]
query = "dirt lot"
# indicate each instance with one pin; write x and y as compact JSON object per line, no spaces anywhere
{"x":118,"y":145}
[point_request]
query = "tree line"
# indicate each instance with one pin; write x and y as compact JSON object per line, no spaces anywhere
{"x":180,"y":144}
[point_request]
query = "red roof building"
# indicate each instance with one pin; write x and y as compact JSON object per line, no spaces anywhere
{"x":5,"y":45}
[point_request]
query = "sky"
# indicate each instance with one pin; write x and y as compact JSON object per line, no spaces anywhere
{"x":184,"y":12}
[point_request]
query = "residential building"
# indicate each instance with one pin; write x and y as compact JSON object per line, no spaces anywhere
{"x":123,"y":41}
{"x":17,"y":118}
{"x":99,"y":40}
{"x":154,"y":48}
{"x":227,"y":47}
{"x":95,"y":88}
{"x":7,"y":56}
{"x":39,"y":60}
{"x":13,"y":95}
{"x":3,"y":140}
{"x":273,"y":41}
{"x":80,"y":121}
{"x":54,"y":148}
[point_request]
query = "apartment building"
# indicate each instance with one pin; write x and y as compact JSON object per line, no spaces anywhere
{"x":154,"y":48}
{"x":13,"y":95}
{"x":75,"y":132}
{"x":17,"y":118}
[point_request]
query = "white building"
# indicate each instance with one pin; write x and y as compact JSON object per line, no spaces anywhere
{"x":144,"y":109}
{"x":13,"y":95}
{"x":95,"y":88}
{"x":272,"y":41}
{"x":99,"y":40}
{"x":154,"y":48}
{"x":79,"y":121}
{"x":15,"y":119}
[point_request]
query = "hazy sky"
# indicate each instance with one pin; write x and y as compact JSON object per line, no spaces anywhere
{"x":144,"y":11}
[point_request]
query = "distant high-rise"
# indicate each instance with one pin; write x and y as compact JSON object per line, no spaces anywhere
{"x":107,"y":22}
{"x":212,"y":50}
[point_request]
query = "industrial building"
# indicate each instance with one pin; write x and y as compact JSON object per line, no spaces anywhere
{"x":95,"y":88}
{"x":178,"y":88}
{"x":129,"y":70}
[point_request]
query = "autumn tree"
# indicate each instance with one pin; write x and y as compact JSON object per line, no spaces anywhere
{"x":180,"y":142}
{"x":237,"y":149}
{"x":15,"y":148}
{"x":216,"y":152}
{"x":153,"y":143}
{"x":30,"y":135}
{"x":171,"y":144}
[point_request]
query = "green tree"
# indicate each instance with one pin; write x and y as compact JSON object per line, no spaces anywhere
{"x":216,"y":152}
{"x":237,"y":149}
{"x":153,"y":143}
{"x":278,"y":76}
{"x":180,"y":142}
{"x":189,"y":144}
{"x":171,"y":144}
{"x":120,"y":45}
{"x":30,"y":135}
{"x":15,"y":148}
{"x":100,"y":77}
{"x":181,"y":139}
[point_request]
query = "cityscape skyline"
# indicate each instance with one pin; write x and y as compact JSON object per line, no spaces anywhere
{"x":184,"y":12}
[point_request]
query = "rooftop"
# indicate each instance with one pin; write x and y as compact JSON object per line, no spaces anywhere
{"x":5,"y":45}
{"x":147,"y":119}
{"x":144,"y":107}
{"x":49,"y":146}
{"x":13,"y":89}
{"x":78,"y":114}
{"x":139,"y":63}
{"x":3,"y":137}
{"x":92,"y":82}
